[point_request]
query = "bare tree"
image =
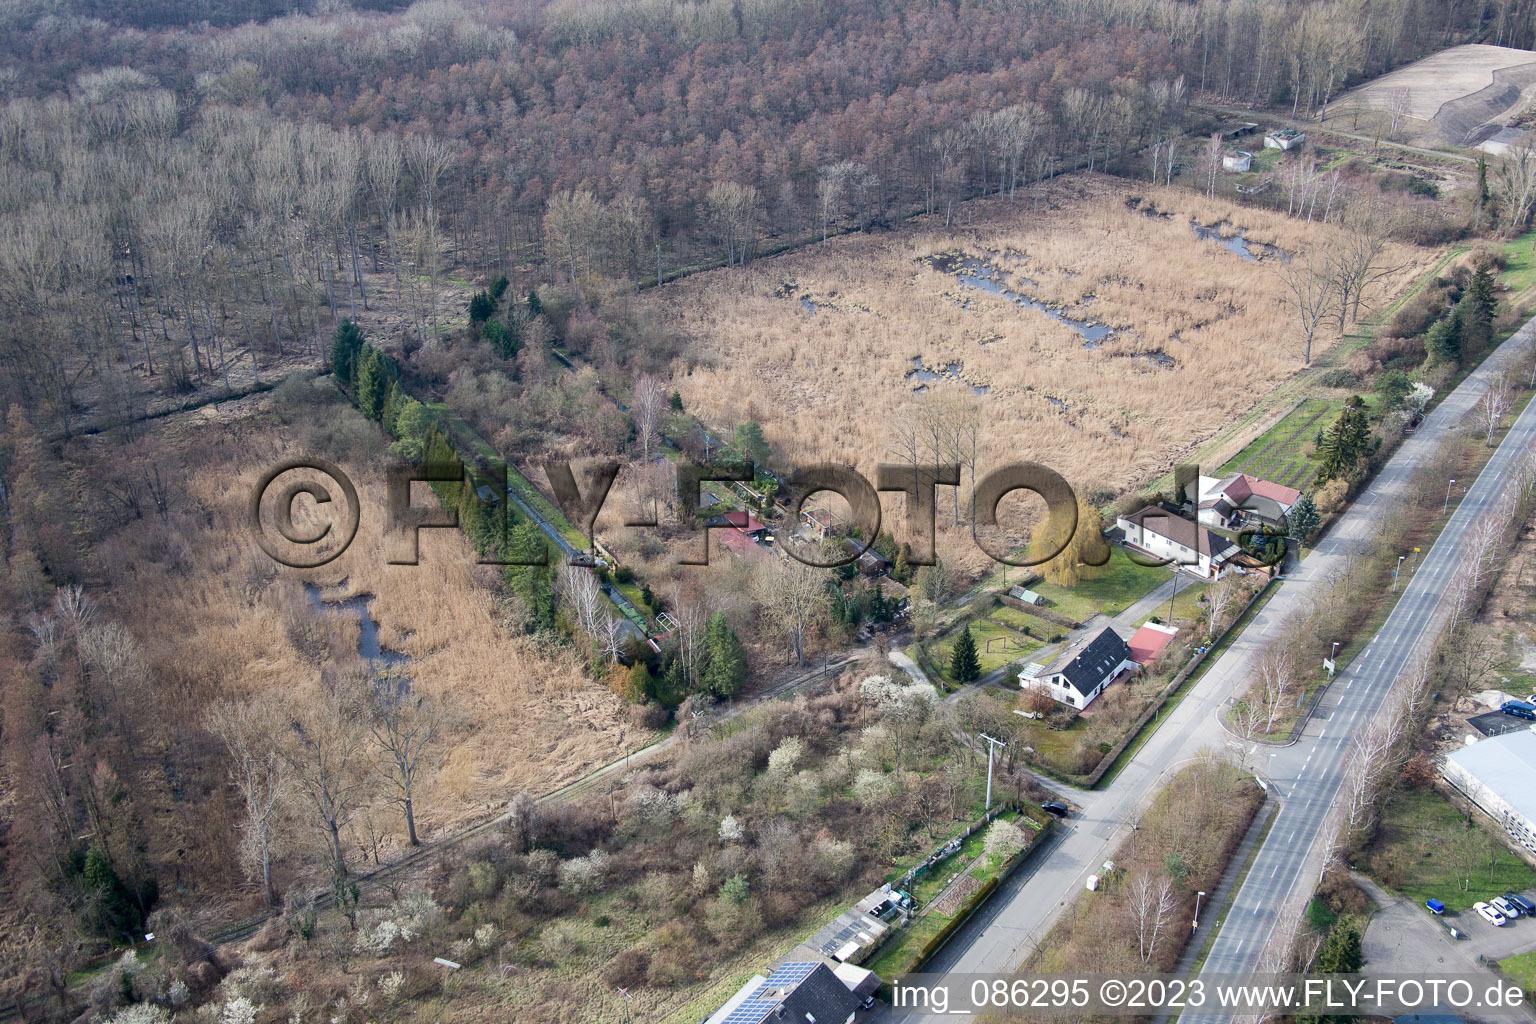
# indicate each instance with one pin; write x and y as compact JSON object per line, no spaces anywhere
{"x":582,"y":593}
{"x":1276,"y":674}
{"x":249,"y":732}
{"x":1492,"y":406}
{"x":1375,"y":756}
{"x":646,"y":408}
{"x":1152,"y":901}
{"x":1399,"y":103}
{"x":325,"y":754}
{"x":1210,"y":164}
{"x":1514,"y":185}
{"x":610,"y":637}
{"x":689,"y":636}
{"x":1219,"y":597}
{"x":1357,"y":255}
{"x":793,"y":596}
{"x":403,"y":726}
{"x":1248,"y":721}
{"x":1312,"y":289}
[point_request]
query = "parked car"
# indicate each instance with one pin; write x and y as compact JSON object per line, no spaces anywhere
{"x":1505,"y":907}
{"x":1055,"y":807}
{"x":1526,"y":906}
{"x":1520,"y":709}
{"x":1434,"y":907}
{"x":1490,"y":915}
{"x":868,"y":1003}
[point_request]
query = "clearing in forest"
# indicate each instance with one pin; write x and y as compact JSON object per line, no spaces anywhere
{"x":1099,"y":334}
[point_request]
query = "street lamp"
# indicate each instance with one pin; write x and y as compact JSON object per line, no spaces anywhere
{"x":1198,"y":897}
{"x":1448,"y":487}
{"x":1335,"y":650}
{"x":1396,"y":570}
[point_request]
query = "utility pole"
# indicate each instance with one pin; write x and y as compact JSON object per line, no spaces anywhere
{"x":992,"y":745}
{"x":658,"y":264}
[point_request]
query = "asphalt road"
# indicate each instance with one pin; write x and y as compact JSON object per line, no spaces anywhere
{"x":1308,"y":773}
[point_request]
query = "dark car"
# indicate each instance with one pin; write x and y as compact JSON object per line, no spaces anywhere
{"x":1526,"y":906}
{"x":1055,"y":807}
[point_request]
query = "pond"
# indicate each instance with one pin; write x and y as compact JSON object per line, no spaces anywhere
{"x":924,"y":376}
{"x":983,"y":275}
{"x":1236,"y":243}
{"x":368,"y":646}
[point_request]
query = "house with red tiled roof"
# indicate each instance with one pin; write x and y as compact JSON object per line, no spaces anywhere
{"x":1238,"y":500}
{"x":1149,"y":641}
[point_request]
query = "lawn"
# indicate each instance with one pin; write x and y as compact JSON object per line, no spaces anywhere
{"x":1522,"y":970}
{"x":1186,"y":603}
{"x":1109,"y":588}
{"x":1520,"y":263}
{"x":1424,"y":849}
{"x":996,"y":646}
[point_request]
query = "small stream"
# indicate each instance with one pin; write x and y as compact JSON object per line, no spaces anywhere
{"x":368,"y":646}
{"x":983,"y":275}
{"x":1236,"y":243}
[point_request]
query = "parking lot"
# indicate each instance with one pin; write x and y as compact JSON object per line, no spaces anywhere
{"x":1404,"y":937}
{"x":1497,"y":723}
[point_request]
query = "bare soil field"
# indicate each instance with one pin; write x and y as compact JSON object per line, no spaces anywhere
{"x":1150,"y":341}
{"x":1454,"y":93}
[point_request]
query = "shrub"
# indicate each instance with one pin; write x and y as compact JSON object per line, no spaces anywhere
{"x":1339,"y":378}
{"x":628,"y":969}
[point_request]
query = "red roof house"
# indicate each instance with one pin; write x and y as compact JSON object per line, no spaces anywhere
{"x":1149,"y":642}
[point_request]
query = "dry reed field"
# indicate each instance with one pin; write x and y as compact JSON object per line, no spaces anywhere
{"x":218,"y":619}
{"x":1199,"y":334}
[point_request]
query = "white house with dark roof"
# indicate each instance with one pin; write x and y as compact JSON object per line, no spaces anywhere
{"x":1081,"y":672}
{"x":1163,"y":534}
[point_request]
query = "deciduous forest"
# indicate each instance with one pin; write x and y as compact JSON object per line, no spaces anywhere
{"x":233,"y":230}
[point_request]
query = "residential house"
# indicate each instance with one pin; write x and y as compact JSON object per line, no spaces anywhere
{"x":819,"y":522}
{"x":1236,"y":160}
{"x":1167,"y":535}
{"x":741,"y":534}
{"x":1238,"y":500}
{"x":1082,"y":671}
{"x":794,"y":993}
{"x":1285,"y":138}
{"x":1149,"y":641}
{"x":744,"y":521}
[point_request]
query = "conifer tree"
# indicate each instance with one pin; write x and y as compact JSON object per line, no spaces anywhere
{"x":964,"y":665}
{"x":372,"y":383}
{"x":1303,"y":517}
{"x":533,"y":584}
{"x":346,"y":344}
{"x":1443,"y":340}
{"x":725,"y":669}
